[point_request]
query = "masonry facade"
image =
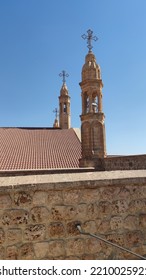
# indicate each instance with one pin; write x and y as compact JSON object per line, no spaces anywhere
{"x":39,"y":214}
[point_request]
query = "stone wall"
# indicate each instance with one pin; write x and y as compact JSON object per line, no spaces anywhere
{"x":39,"y":214}
{"x":134,"y":162}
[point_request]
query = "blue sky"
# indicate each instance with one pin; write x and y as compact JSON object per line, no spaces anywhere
{"x":40,"y":38}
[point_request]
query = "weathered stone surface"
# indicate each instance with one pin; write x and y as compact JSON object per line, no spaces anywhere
{"x":34,"y":232}
{"x":124,"y":193}
{"x":109,"y":193}
{"x":133,"y":238}
{"x":26,"y":252}
{"x":54,"y":198}
{"x":14,"y":236}
{"x":136,"y":206}
{"x":131,"y":222}
{"x":12,"y":253}
{"x":89,"y":257}
{"x":104,"y":226}
{"x":90,"y":195}
{"x":104,"y":209}
{"x":120,"y":206}
{"x":40,"y":249}
{"x":56,"y":248}
{"x":71,"y":197}
{"x":15,"y":217}
{"x":39,"y":198}
{"x":56,"y":230}
{"x":2,"y":253}
{"x":136,"y":192}
{"x":92,"y":211}
{"x":2,"y":236}
{"x":92,"y":246}
{"x":90,"y":226}
{"x":63,"y":213}
{"x":5,"y":201}
{"x":72,"y":228}
{"x":75,"y":247}
{"x":22,"y":199}
{"x":39,"y":214}
{"x":116,"y":238}
{"x":116,"y":222}
{"x":107,"y":252}
{"x":72,"y":258}
{"x":81,"y":211}
{"x":142,"y":221}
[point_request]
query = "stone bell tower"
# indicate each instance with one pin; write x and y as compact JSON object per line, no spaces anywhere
{"x":64,"y":104}
{"x":92,"y":117}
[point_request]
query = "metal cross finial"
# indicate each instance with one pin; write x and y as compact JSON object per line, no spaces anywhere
{"x":63,"y":74}
{"x":89,"y":38}
{"x":56,"y":112}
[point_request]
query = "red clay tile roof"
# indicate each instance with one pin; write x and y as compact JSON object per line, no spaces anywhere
{"x":38,"y":148}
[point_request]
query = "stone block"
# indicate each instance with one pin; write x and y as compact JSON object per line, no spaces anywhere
{"x":92,"y":245}
{"x":109,"y":193}
{"x":54,"y":198}
{"x":72,"y":228}
{"x":2,"y":253}
{"x":90,"y":195}
{"x":34,"y":232}
{"x":104,"y":209}
{"x":137,"y":206}
{"x":81,"y":211}
{"x":116,"y":222}
{"x":56,"y":230}
{"x":22,"y":199}
{"x":56,"y":248}
{"x":136,"y":192}
{"x":71,"y":197}
{"x":131,"y":222}
{"x":39,"y":214}
{"x":90,"y":226}
{"x":142,"y":221}
{"x":5,"y":201}
{"x":15,"y":217}
{"x":40,"y":198}
{"x":75,"y":247}
{"x":107,"y":252}
{"x":2,"y":236}
{"x":14,"y":236}
{"x":26,"y":252}
{"x":12,"y":253}
{"x":120,"y":206}
{"x":104,"y":227}
{"x":92,"y":211}
{"x":124,"y":194}
{"x":40,"y":249}
{"x":134,"y":238}
{"x":59,"y":213}
{"x":116,"y":238}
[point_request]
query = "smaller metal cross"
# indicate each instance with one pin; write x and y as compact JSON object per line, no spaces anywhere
{"x":56,"y":112}
{"x":89,"y":38}
{"x":63,"y":74}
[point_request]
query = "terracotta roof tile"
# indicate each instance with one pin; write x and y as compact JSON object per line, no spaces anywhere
{"x":38,"y":148}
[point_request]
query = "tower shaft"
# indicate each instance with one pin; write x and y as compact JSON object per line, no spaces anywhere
{"x":92,"y":117}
